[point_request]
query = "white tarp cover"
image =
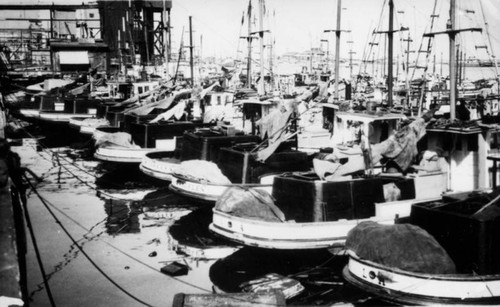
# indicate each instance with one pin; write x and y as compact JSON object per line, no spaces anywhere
{"x":74,"y":57}
{"x":202,"y":170}
{"x":120,"y":139}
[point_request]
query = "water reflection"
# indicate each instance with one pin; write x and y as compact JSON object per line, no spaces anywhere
{"x":122,"y":216}
{"x":158,"y":208}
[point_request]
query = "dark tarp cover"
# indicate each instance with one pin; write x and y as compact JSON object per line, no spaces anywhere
{"x":250,"y":203}
{"x":403,"y":246}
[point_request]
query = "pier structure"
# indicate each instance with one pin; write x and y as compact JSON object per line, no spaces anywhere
{"x":103,"y":35}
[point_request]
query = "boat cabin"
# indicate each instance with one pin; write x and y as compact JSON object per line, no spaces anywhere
{"x":349,"y":127}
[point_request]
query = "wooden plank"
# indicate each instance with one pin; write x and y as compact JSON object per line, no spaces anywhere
{"x":271,"y":298}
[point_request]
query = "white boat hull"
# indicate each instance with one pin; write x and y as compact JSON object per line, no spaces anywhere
{"x":207,"y":191}
{"x":61,"y":117}
{"x":287,"y":235}
{"x":79,"y":123}
{"x":122,"y":154}
{"x":157,"y":167}
{"x":422,"y":289}
{"x":315,"y":233}
{"x":29,"y":113}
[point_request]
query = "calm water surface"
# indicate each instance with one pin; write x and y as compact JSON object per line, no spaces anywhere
{"x":130,"y":226}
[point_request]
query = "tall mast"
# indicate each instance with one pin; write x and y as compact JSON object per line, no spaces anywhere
{"x":453,"y":69}
{"x":407,"y":80}
{"x":337,"y":49}
{"x":191,"y":63}
{"x":261,"y":90}
{"x":350,"y":57}
{"x":249,"y":39}
{"x":165,"y":39}
{"x":390,"y":51}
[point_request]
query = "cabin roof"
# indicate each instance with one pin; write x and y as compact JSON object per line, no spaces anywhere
{"x":366,"y":117}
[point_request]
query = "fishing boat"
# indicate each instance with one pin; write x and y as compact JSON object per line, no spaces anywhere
{"x":240,"y":165}
{"x":69,"y":107}
{"x":251,"y":164}
{"x":319,"y":208}
{"x":466,"y":226}
{"x":114,"y":101}
{"x":42,"y":97}
{"x":116,"y":146}
{"x":152,"y":126}
{"x":200,"y":144}
{"x":320,"y":213}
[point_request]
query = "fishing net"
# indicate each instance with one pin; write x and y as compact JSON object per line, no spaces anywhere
{"x":403,"y":246}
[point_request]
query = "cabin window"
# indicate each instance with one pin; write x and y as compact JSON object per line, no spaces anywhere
{"x":146,"y":88}
{"x":218,"y":101}
{"x":139,"y":89}
{"x":208,"y":100}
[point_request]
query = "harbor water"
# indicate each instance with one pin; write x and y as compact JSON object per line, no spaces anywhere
{"x":105,"y":231}
{"x":124,"y":244}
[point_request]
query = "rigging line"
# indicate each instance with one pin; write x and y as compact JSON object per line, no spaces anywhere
{"x":430,"y":43}
{"x":107,"y":243}
{"x":138,"y":260}
{"x":37,"y":250}
{"x":118,"y":249}
{"x":44,"y":202}
{"x":488,"y":36}
{"x":135,"y":259}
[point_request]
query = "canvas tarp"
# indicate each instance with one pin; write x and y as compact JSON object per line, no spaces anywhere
{"x":402,"y":146}
{"x":177,"y":112}
{"x":120,"y":139}
{"x":249,"y":203}
{"x":403,"y":246}
{"x":202,"y":170}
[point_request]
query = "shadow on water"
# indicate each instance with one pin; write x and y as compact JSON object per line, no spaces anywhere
{"x":125,"y":176}
{"x":319,"y":271}
{"x":52,"y":135}
{"x":192,"y":229}
{"x":123,"y":215}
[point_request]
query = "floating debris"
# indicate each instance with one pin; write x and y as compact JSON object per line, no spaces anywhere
{"x":175,"y":269}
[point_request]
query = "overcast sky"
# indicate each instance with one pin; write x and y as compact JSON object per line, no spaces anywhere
{"x":298,"y":25}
